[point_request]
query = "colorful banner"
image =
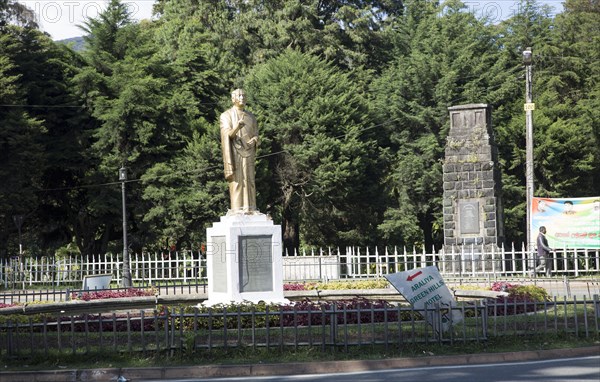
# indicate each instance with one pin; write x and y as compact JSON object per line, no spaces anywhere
{"x":570,"y":222}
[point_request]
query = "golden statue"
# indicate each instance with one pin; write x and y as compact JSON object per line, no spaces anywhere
{"x":239,"y":138}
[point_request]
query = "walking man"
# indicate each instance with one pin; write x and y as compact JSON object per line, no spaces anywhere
{"x":544,"y":260}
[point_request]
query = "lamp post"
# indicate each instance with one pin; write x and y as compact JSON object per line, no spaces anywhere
{"x":126,"y":281}
{"x":529,"y":107}
{"x":18,"y":219}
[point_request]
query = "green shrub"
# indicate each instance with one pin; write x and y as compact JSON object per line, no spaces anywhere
{"x":529,"y":293}
{"x":520,"y":299}
{"x":354,"y":284}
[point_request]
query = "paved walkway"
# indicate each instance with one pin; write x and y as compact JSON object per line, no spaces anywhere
{"x":215,"y":371}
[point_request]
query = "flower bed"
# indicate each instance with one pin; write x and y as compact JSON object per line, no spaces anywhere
{"x":105,"y":294}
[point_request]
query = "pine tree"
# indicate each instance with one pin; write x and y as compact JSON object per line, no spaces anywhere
{"x":447,"y":63}
{"x":566,"y":124}
{"x":15,"y":13}
{"x":21,"y":154}
{"x":317,"y":169}
{"x":47,"y":69}
{"x":150,"y":106}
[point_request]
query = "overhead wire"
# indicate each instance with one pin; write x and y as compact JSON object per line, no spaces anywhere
{"x":204,"y":169}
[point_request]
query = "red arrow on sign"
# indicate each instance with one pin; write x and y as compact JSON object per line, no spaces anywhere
{"x":412,"y":277}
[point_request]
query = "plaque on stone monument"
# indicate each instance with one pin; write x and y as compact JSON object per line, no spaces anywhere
{"x":468,"y":216}
{"x":256,"y":264}
{"x":219,"y":268}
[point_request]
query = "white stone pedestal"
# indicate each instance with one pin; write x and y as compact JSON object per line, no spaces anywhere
{"x":244,"y":260}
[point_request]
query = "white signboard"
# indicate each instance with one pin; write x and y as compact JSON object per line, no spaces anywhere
{"x":425,"y":289}
{"x":96,"y":282}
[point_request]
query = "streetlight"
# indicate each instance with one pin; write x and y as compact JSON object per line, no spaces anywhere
{"x":126,"y":282}
{"x":529,"y":107}
{"x":18,"y":219}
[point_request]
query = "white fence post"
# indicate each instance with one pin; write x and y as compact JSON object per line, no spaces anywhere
{"x":354,"y":262}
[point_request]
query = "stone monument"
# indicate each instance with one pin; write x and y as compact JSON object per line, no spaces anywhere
{"x":473,"y":211}
{"x":244,"y":252}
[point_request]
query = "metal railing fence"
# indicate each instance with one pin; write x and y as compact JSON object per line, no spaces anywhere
{"x":54,"y":294}
{"x":332,"y":326}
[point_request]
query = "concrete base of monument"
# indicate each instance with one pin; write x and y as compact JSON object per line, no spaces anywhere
{"x":244,"y":260}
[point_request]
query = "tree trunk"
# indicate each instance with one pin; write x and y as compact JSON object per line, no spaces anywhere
{"x":291,"y":232}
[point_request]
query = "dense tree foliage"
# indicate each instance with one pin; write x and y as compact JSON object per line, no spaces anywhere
{"x":239,"y":34}
{"x":21,"y":153}
{"x":13,"y":12}
{"x":528,"y":28}
{"x":449,"y":60}
{"x":42,"y":145}
{"x":319,"y":159}
{"x":568,"y":122}
{"x":351,"y":98}
{"x":146,"y":112}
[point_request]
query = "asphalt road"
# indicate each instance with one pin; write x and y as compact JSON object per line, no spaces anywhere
{"x":560,"y":365}
{"x":581,"y":369}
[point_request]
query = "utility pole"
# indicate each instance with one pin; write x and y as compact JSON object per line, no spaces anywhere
{"x":18,"y":219}
{"x":126,"y":281}
{"x":529,"y":107}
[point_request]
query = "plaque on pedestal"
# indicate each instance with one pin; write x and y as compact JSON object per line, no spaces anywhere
{"x":244,"y":260}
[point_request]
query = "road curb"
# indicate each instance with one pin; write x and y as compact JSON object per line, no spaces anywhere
{"x":256,"y":370}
